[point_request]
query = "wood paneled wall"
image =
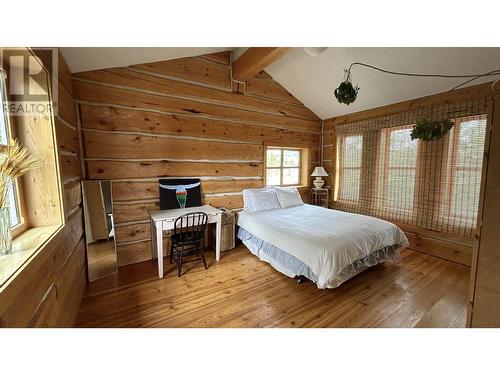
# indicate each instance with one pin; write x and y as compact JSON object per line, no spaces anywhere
{"x":433,"y":243}
{"x":48,"y":290}
{"x":183,"y":117}
{"x":484,"y":292}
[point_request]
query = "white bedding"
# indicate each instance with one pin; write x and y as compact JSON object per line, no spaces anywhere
{"x":325,"y":240}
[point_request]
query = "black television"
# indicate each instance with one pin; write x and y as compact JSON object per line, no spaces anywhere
{"x":179,"y":193}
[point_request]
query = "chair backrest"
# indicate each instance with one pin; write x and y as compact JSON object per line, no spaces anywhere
{"x":191,"y":226}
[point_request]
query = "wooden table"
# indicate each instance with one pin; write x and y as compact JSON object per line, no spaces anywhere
{"x":320,"y":197}
{"x":164,"y":220}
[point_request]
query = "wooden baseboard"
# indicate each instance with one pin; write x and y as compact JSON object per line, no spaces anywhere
{"x":449,"y":250}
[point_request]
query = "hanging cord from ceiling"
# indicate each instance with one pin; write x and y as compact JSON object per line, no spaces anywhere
{"x":471,"y":76}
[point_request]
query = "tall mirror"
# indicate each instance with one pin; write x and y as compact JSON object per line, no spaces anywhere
{"x":99,"y":228}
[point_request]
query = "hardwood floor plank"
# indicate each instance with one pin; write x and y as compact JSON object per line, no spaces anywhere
{"x":347,"y":297}
{"x":242,"y":291}
{"x":385,"y":300}
{"x":409,"y":313}
{"x":451,"y":306}
{"x":315,"y":314}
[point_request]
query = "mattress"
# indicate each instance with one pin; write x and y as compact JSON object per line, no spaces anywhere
{"x":332,"y":245}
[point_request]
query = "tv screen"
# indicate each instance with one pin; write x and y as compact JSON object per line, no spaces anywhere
{"x":179,"y":193}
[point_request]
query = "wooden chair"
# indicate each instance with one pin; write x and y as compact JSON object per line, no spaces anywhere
{"x":187,"y":238}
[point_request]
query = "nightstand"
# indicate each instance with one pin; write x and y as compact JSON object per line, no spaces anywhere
{"x":320,"y":197}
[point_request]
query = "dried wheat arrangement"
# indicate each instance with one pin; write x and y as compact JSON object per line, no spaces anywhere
{"x":15,"y":160}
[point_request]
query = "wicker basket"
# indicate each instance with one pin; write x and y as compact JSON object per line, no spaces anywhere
{"x":228,"y":229}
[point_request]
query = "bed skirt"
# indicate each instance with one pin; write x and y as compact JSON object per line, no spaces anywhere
{"x":291,"y":266}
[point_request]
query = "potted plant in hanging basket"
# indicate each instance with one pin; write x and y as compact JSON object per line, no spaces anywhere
{"x":427,"y":130}
{"x":15,"y":160}
{"x":346,"y":93}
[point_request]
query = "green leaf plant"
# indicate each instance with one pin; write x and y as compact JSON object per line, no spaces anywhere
{"x":428,"y":130}
{"x":346,"y":93}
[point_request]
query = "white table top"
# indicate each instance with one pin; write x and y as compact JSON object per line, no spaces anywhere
{"x":176,"y":212}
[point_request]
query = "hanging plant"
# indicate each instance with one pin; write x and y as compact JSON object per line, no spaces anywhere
{"x":427,"y":130}
{"x":346,"y":93}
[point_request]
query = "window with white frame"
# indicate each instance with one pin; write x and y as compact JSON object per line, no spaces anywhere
{"x":283,"y":166}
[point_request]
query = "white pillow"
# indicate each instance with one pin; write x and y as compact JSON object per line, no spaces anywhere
{"x":288,"y":197}
{"x":247,"y":199}
{"x":261,"y":200}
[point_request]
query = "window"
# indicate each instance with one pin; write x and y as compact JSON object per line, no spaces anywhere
{"x":284,"y":166}
{"x":434,"y":185}
{"x":12,"y":201}
{"x":398,"y":164}
{"x":350,"y":149}
{"x":41,"y":215}
{"x":464,"y":168}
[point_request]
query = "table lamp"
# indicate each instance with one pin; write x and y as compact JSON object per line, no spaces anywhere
{"x":318,"y":173}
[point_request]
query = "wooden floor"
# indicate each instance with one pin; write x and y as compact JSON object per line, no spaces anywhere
{"x":241,"y":291}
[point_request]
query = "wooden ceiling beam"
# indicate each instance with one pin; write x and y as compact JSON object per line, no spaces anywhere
{"x":254,"y":60}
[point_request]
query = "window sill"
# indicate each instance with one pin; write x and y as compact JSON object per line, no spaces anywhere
{"x":24,"y":248}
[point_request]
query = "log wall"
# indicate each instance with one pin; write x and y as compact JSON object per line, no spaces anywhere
{"x":183,"y":117}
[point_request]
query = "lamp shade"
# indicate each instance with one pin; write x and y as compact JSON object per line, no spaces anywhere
{"x":319,"y":172}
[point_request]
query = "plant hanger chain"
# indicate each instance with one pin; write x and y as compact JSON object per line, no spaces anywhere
{"x":424,"y":129}
{"x":347,"y":93}
{"x":472,"y":76}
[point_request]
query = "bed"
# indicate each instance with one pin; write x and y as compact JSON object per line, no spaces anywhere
{"x":326,"y":246}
